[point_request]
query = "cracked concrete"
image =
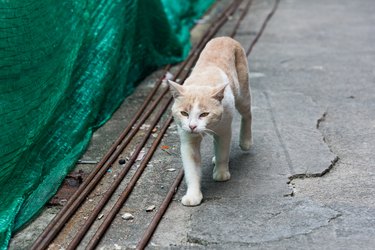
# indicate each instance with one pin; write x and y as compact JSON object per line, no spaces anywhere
{"x":294,"y":124}
{"x":308,"y":181}
{"x":332,"y":68}
{"x":254,"y":225}
{"x":321,"y":119}
{"x":315,"y":175}
{"x":312,"y":104}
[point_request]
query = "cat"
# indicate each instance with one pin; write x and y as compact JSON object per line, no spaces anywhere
{"x":205,"y":104}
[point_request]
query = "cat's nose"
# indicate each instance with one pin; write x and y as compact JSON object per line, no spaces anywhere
{"x":192,"y":126}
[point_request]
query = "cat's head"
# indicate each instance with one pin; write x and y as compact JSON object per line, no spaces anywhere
{"x":197,"y":109}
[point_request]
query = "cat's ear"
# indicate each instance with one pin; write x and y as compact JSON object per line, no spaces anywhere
{"x":218,"y":92}
{"x":175,"y":88}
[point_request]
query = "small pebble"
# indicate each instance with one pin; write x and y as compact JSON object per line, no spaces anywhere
{"x":141,"y":155}
{"x":127,"y":216}
{"x":62,"y":202}
{"x":122,"y":161}
{"x":153,"y":244}
{"x":150,"y":208}
{"x":168,"y":76}
{"x":171,"y":169}
{"x":145,"y":126}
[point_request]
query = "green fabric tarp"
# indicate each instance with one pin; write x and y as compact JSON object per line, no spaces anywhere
{"x":65,"y":66}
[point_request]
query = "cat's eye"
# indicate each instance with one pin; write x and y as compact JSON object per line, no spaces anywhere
{"x":204,"y":114}
{"x":184,"y":113}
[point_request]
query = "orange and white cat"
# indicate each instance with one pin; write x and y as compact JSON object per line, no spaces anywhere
{"x":205,"y":104}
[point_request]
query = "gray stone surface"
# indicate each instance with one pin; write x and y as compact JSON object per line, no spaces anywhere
{"x":308,"y":181}
{"x":260,"y":220}
{"x":314,"y":96}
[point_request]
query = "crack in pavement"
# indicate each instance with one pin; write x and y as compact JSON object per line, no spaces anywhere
{"x":321,"y":119}
{"x":329,"y":168}
{"x":314,"y":175}
{"x":260,"y":221}
{"x":199,"y":241}
{"x":283,"y":146}
{"x":287,"y":155}
{"x":207,"y":243}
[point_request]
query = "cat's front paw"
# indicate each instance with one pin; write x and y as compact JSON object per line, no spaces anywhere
{"x":221,"y":175}
{"x":192,"y":200}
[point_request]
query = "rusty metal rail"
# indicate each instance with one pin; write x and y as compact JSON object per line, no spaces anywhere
{"x":265,"y":22}
{"x":111,"y":215}
{"x":164,"y":206}
{"x":124,"y":139}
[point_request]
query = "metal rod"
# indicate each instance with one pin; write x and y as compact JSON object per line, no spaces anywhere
{"x":58,"y":222}
{"x":156,"y":219}
{"x":93,"y":215}
{"x":259,"y":34}
{"x":243,"y":14}
{"x":161,"y":211}
{"x":229,"y":10}
{"x":106,"y":223}
{"x":129,"y":188}
{"x":97,"y":209}
{"x":166,"y":202}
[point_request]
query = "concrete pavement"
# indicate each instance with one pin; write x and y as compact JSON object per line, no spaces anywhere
{"x":314,"y":122}
{"x":308,"y":181}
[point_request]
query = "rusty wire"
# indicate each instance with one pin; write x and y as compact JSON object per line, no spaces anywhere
{"x":265,"y":22}
{"x":110,"y":216}
{"x":92,"y":180}
{"x":158,"y":216}
{"x":164,"y":206}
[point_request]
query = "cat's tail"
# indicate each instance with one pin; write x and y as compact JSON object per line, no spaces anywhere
{"x":242,"y":66}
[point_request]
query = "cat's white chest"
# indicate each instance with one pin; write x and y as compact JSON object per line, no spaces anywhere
{"x":228,"y":102}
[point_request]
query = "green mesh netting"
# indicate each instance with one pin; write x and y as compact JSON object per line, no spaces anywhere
{"x":65,"y":66}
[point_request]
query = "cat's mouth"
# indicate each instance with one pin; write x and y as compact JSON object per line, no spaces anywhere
{"x":194,"y":132}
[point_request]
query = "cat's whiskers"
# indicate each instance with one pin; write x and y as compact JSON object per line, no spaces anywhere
{"x":201,"y":134}
{"x":209,"y":131}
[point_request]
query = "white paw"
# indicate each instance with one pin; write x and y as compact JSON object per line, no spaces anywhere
{"x":214,"y":160}
{"x":245,"y":145}
{"x":192,"y":200}
{"x":221,"y":175}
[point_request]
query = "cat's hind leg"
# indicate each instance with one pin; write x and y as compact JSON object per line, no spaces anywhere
{"x":246,"y":139}
{"x":243,"y":100}
{"x":243,"y":105}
